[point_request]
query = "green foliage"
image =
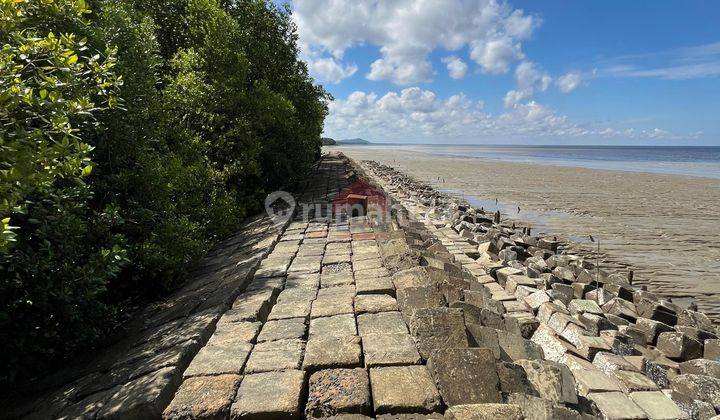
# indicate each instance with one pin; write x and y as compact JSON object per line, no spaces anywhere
{"x":136,"y":135}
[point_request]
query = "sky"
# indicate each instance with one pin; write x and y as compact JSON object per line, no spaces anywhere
{"x":526,"y":71}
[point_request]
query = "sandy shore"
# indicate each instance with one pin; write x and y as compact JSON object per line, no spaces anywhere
{"x":665,"y":227}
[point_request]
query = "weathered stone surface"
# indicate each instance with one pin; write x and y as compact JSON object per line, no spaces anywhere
{"x":589,"y":381}
{"x":219,"y":359}
{"x":581,"y":306}
{"x":330,"y":306}
{"x":283,"y":329}
{"x":616,"y":406}
{"x":589,"y":346}
{"x":608,"y":363}
{"x":534,"y":408}
{"x":144,"y":397}
{"x":336,"y":279}
{"x":375,"y":303}
{"x":552,"y":380}
{"x":374,"y":285}
{"x":438,"y":328}
{"x":634,"y":381}
{"x":698,"y":387}
{"x":389,"y":350}
{"x":411,"y":277}
{"x":652,"y":329}
{"x":338,"y":391}
{"x":513,"y":379}
{"x":465,"y":376}
{"x":514,"y":347}
{"x":290,"y":310}
{"x":234,"y":332}
{"x":553,"y":347}
{"x":679,"y":346}
{"x":269,"y":395}
{"x":381,"y":323}
{"x":332,"y":352}
{"x":203,"y":397}
{"x":701,"y":367}
{"x":403,"y":389}
{"x":536,"y":299}
{"x":275,"y":355}
{"x":657,"y":405}
{"x":333,"y":326}
{"x":418,"y":297}
{"x":484,"y":412}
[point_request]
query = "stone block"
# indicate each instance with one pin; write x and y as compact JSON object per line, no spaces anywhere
{"x":514,"y":347}
{"x":269,"y":395}
{"x":203,"y":397}
{"x":283,"y":329}
{"x":235,"y":332}
{"x":389,"y":350}
{"x":698,"y":387}
{"x":465,"y":376}
{"x":412,"y":277}
{"x":438,"y":328}
{"x":403,"y":389}
{"x":679,"y":346}
{"x":535,"y":408}
{"x":589,"y":381}
{"x":552,"y":380}
{"x":219,"y":359}
{"x":143,"y":397}
{"x":333,"y":326}
{"x":616,"y":406}
{"x":634,"y":381}
{"x":324,"y":352}
{"x":701,"y":367}
{"x":657,"y":405}
{"x":375,"y":303}
{"x":484,"y":412}
{"x":331,"y":306}
{"x":290,"y":310}
{"x":381,"y":323}
{"x":275,"y":355}
{"x":581,"y":306}
{"x":608,"y":363}
{"x":652,"y":329}
{"x":418,"y":297}
{"x":374,"y":285}
{"x":334,"y":392}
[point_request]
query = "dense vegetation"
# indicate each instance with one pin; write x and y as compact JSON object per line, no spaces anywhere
{"x":134,"y":135}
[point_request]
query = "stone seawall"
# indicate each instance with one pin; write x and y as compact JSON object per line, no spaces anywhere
{"x":413,"y":307}
{"x":580,"y":338}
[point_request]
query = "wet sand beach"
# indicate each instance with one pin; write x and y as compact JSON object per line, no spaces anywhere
{"x":665,"y":227}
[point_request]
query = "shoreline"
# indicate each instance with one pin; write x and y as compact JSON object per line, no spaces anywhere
{"x":663,"y":225}
{"x":534,"y":162}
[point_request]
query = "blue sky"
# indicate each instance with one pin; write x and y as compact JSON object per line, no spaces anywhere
{"x":532,"y":72}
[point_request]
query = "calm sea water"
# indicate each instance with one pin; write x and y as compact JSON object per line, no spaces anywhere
{"x":691,"y":161}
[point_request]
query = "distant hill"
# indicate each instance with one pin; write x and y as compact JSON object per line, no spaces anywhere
{"x":353,"y":141}
{"x":327,"y":141}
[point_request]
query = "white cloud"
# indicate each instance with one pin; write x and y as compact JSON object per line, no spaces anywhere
{"x":329,"y":70}
{"x":495,"y":56}
{"x":528,"y":78}
{"x":417,"y":114}
{"x":456,"y":67}
{"x":406,"y":31}
{"x":569,"y":82}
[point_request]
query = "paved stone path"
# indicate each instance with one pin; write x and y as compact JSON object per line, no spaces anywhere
{"x":318,"y":333}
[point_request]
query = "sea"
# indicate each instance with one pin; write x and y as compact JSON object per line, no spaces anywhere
{"x":699,"y":161}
